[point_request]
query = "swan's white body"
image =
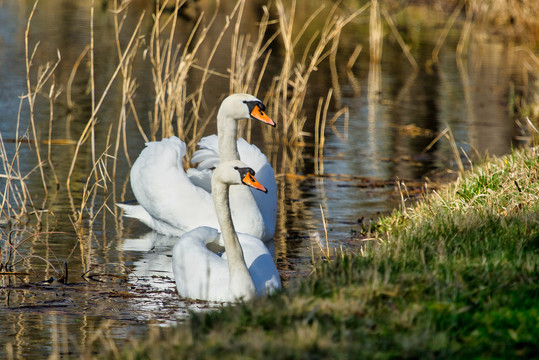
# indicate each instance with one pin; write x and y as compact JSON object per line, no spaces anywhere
{"x":173,"y":202}
{"x":244,"y":271}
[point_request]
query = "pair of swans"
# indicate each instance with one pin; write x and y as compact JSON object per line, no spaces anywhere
{"x":179,"y":203}
{"x":173,"y":201}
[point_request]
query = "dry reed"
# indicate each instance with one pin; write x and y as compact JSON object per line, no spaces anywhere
{"x":177,"y":109}
{"x":15,"y":194}
{"x":11,"y":256}
{"x":32,"y":93}
{"x":295,"y":74}
{"x":91,"y":123}
{"x":448,"y":134}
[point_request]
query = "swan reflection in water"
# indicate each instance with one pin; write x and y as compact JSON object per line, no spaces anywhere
{"x":152,"y":272}
{"x":152,"y":275}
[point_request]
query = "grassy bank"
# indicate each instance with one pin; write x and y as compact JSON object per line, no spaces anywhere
{"x":456,"y":276}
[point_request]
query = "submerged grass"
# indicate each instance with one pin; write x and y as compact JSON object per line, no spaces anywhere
{"x":455,"y":276}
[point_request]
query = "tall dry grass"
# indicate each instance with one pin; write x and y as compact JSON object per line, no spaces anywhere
{"x":16,"y":200}
{"x":183,"y":111}
{"x":290,"y":87}
{"x":177,"y":109}
{"x":516,"y":20}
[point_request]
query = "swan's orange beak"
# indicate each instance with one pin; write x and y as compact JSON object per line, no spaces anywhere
{"x":258,"y":114}
{"x":250,"y":180}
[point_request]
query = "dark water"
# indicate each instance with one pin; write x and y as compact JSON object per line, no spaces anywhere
{"x":118,"y":278}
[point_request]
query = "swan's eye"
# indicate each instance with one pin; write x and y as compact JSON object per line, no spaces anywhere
{"x":255,"y":104}
{"x":245,"y":171}
{"x":236,"y":168}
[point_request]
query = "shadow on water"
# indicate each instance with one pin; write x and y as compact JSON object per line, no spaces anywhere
{"x":118,"y":279}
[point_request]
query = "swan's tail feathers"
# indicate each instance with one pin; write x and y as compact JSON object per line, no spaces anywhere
{"x":137,"y":212}
{"x":205,"y":235}
{"x":173,"y":140}
{"x":214,"y":241}
{"x":180,"y":144}
{"x":208,"y":234}
{"x":208,"y":154}
{"x":167,"y":150}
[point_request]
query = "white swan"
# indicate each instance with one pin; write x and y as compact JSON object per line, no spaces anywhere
{"x":173,"y":202}
{"x":245,"y":270}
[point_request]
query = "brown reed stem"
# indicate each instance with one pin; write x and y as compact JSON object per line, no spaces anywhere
{"x":405,"y":48}
{"x":52,"y":97}
{"x":91,"y":123}
{"x":376,"y":34}
{"x":445,"y":31}
{"x":31,"y":94}
{"x":92,"y":79}
{"x":70,"y":104}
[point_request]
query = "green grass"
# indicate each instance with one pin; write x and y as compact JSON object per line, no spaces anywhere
{"x":456,"y":276}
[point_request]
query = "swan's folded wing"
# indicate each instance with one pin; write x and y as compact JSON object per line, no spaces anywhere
{"x":207,"y":156}
{"x":252,"y":156}
{"x":198,"y":272}
{"x":164,"y":190}
{"x":200,"y":178}
{"x":267,"y":202}
{"x":260,"y":263}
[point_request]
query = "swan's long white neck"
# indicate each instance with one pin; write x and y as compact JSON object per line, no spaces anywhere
{"x":241,"y":284}
{"x":228,"y":131}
